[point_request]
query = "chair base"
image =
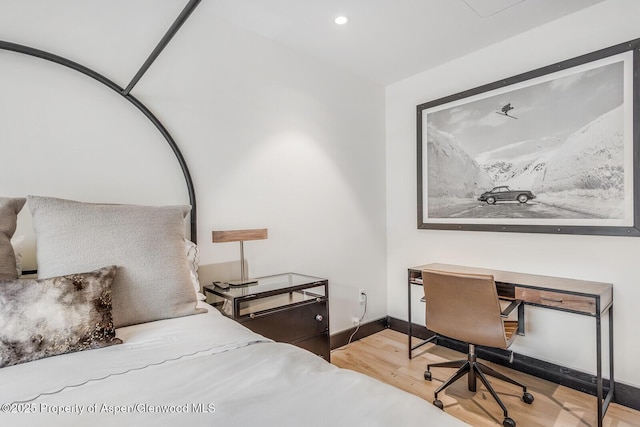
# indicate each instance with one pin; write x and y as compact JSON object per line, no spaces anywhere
{"x":474,"y":369}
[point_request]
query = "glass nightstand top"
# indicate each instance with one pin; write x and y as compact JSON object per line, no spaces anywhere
{"x":267,"y":284}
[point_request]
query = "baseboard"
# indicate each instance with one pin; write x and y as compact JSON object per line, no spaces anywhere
{"x":625,"y":395}
{"x":342,"y":338}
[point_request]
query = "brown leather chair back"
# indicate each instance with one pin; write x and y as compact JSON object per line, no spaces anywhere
{"x":464,"y":307}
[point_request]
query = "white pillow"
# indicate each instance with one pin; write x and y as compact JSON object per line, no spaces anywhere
{"x":145,"y":242}
{"x":193,"y":259}
{"x":9,"y":208}
{"x":17,"y":242}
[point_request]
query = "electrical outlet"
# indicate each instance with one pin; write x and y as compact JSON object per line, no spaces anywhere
{"x":362,"y":296}
{"x":355,"y":320}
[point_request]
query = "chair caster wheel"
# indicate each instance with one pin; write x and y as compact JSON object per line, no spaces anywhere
{"x":427,"y":375}
{"x":508,"y":422}
{"x":527,"y":398}
{"x":438,"y":403}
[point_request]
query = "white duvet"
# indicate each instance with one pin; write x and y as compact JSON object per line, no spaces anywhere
{"x":202,"y":370}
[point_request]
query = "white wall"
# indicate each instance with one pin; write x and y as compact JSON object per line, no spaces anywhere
{"x":554,"y":336}
{"x":280,"y":140}
{"x":273,"y":139}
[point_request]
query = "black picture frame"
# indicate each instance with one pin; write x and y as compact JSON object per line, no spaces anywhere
{"x":438,"y":197}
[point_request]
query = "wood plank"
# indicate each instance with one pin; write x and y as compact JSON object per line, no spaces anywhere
{"x":563,"y":301}
{"x":239,"y":235}
{"x":384,"y":356}
{"x":560,"y":283}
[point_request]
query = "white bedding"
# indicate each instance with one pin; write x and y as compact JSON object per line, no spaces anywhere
{"x":202,"y":370}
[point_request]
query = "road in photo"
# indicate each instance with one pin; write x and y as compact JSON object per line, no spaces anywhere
{"x":531,"y":209}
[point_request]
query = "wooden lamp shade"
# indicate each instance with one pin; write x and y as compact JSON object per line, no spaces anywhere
{"x":240,"y":236}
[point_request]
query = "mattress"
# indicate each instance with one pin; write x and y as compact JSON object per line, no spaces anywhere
{"x":202,"y":370}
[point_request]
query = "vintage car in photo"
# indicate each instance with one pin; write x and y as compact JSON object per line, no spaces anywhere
{"x":504,"y":194}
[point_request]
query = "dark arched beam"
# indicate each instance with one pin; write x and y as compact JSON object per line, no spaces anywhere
{"x":180,"y":20}
{"x":139,"y":105}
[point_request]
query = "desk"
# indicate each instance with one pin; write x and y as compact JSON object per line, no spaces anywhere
{"x":581,"y":297}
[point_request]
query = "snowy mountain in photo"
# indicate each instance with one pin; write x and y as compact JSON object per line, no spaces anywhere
{"x":519,"y":164}
{"x":590,"y":159}
{"x":453,"y":173}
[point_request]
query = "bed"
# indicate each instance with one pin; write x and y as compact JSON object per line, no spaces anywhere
{"x":154,"y":353}
{"x":203,"y":370}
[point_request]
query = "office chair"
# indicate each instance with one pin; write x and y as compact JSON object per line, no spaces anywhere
{"x":466,"y":307}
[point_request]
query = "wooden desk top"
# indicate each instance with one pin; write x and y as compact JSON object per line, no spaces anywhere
{"x":601,"y":290}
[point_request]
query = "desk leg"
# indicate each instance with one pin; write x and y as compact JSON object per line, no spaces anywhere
{"x":603,"y":402}
{"x":612,"y":382}
{"x":410,"y":327}
{"x":599,"y":366}
{"x":409,"y":311}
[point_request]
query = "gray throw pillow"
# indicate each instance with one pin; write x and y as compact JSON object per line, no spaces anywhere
{"x":145,"y":242}
{"x":47,"y":317}
{"x":9,"y":208}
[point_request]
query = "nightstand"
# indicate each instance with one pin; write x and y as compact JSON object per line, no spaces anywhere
{"x":290,"y":307}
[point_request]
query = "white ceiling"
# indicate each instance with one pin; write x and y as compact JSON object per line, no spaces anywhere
{"x":389,"y":40}
{"x":384,"y":42}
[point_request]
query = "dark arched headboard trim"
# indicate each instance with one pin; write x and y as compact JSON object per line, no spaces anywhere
{"x":139,"y":105}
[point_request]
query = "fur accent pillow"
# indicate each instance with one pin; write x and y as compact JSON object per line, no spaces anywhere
{"x":48,"y":317}
{"x":9,"y":208}
{"x":145,"y":242}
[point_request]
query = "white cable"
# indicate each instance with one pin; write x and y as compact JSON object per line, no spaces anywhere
{"x":358,"y":326}
{"x":360,"y":319}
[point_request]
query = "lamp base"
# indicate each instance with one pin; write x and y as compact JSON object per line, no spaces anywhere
{"x":245,"y":282}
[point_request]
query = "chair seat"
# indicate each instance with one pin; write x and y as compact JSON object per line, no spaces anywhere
{"x":510,"y":329}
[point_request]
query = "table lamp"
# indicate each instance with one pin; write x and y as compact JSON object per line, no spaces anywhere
{"x":240,"y":236}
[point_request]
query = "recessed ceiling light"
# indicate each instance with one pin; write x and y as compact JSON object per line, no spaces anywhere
{"x":341,"y":20}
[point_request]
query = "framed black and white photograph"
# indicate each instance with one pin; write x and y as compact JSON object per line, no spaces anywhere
{"x":550,"y":151}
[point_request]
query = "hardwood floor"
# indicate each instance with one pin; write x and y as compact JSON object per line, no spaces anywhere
{"x":384,"y":356}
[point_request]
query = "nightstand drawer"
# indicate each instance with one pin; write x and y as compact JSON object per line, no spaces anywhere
{"x":563,"y":301}
{"x":291,"y":324}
